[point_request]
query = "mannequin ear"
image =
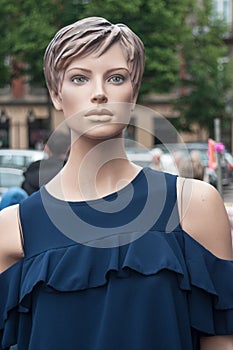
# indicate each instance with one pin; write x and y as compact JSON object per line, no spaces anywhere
{"x":56,"y":99}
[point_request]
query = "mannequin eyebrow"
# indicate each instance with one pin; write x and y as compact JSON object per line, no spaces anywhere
{"x":88,"y":71}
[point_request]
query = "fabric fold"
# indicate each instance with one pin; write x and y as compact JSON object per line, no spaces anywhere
{"x":9,"y":301}
{"x":206,"y":279}
{"x":211,"y":297}
{"x":79,"y":267}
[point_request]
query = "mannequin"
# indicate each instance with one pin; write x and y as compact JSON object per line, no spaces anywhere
{"x":93,"y":71}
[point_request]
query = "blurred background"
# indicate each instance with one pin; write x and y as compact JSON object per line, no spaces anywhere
{"x":187,"y":86}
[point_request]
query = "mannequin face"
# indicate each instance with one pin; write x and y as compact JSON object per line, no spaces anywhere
{"x":96,"y":94}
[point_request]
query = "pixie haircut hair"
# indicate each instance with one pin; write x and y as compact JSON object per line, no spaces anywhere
{"x":92,"y":34}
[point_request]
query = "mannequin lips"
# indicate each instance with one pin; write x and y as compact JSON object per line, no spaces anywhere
{"x":99,"y":115}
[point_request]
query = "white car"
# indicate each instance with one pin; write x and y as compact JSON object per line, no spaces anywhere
{"x":10,"y":177}
{"x":19,"y":158}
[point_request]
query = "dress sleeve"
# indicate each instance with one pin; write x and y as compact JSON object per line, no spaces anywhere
{"x":9,"y":301}
{"x":211,"y":295}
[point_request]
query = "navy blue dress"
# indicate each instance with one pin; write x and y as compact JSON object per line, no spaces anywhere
{"x":117,"y":273}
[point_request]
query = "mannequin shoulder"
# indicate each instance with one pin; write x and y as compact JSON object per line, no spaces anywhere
{"x":11,"y":247}
{"x":203,"y":216}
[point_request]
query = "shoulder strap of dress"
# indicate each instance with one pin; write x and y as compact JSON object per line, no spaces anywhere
{"x":169,"y":219}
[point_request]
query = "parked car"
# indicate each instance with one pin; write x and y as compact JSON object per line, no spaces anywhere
{"x":10,"y":177}
{"x":19,"y":158}
{"x":139,"y":156}
{"x":229,"y":160}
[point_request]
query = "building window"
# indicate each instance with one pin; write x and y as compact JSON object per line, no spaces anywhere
{"x":223,"y":8}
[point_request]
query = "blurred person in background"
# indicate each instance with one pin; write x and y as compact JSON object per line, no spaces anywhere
{"x":192,"y":167}
{"x":42,"y":171}
{"x":14,"y":195}
{"x":156,"y":163}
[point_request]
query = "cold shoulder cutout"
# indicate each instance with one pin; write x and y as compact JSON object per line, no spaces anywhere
{"x":161,"y":289}
{"x":204,"y":216}
{"x":11,"y":247}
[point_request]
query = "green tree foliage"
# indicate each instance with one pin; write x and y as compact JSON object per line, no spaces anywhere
{"x":4,"y":66}
{"x":208,"y":76}
{"x":29,"y":26}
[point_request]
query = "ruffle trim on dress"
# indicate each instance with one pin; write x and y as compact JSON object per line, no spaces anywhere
{"x":207,"y":280}
{"x":211,"y":296}
{"x":9,"y":301}
{"x":81,"y":267}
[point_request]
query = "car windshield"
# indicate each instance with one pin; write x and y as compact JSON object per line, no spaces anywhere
{"x":20,"y":159}
{"x":10,"y":160}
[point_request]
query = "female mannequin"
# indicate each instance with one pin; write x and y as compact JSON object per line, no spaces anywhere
{"x":102,"y":257}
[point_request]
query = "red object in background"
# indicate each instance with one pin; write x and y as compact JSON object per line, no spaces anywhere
{"x":229,"y":163}
{"x":211,"y":162}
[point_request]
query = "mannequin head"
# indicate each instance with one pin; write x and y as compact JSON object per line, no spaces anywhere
{"x":91,"y":35}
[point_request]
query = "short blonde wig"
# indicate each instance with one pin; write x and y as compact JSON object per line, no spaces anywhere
{"x":91,"y":34}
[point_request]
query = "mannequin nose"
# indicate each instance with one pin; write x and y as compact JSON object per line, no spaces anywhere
{"x":99,"y":98}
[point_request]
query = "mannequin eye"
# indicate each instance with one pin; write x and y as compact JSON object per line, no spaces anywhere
{"x":117,"y":79}
{"x":79,"y":79}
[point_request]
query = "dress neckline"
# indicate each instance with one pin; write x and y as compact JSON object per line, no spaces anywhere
{"x":46,"y":194}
